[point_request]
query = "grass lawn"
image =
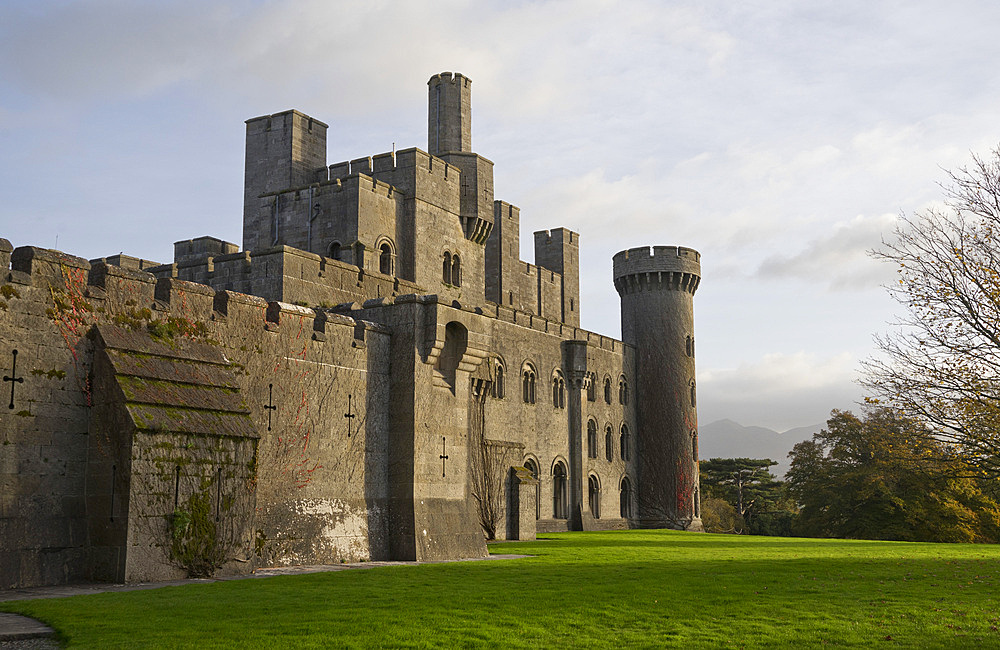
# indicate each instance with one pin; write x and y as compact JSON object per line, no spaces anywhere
{"x":621,"y":588}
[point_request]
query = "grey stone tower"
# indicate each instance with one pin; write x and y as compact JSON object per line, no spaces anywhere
{"x":449,"y":113}
{"x":283,"y":150}
{"x":449,"y":135}
{"x":657,"y":290}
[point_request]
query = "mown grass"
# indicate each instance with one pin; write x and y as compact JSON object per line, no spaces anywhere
{"x":623,"y":588}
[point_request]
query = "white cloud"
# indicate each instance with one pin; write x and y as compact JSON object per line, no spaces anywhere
{"x":839,"y":258}
{"x":750,"y":131}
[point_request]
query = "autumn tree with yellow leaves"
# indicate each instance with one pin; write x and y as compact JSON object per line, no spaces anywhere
{"x":941,"y":366}
{"x":883,"y":477}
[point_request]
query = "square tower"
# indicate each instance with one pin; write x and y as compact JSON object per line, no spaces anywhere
{"x":283,"y":150}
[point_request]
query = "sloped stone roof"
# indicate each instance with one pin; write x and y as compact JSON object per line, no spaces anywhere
{"x":180,"y":385}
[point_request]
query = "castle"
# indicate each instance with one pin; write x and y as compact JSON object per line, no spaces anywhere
{"x":375,"y":375}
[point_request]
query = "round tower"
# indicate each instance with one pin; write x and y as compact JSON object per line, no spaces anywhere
{"x":657,"y":290}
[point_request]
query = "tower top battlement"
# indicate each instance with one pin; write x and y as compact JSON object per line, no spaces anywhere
{"x":449,"y":77}
{"x":662,"y":259}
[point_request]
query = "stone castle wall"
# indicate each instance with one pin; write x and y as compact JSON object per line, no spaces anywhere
{"x":321,"y":494}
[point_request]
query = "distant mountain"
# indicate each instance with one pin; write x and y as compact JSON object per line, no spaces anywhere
{"x":728,"y":439}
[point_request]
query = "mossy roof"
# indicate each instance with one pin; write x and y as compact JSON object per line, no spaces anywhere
{"x":185,"y":386}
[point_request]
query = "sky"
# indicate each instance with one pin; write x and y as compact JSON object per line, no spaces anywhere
{"x":781,"y":139}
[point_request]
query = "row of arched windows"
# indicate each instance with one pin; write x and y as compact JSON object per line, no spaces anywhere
{"x":608,"y":391}
{"x":560,"y":496}
{"x":386,"y":254}
{"x":529,"y":377}
{"x":624,"y":442}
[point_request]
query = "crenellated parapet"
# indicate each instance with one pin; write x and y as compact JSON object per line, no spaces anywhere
{"x":398,"y":161}
{"x":657,"y":268}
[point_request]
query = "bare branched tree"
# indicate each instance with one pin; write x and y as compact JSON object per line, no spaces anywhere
{"x":489,"y":462}
{"x":942,"y":364}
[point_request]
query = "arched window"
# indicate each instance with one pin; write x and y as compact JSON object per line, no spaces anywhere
{"x":594,"y":494}
{"x":689,"y":346}
{"x":558,"y":390}
{"x":694,"y":445}
{"x":385,"y":258}
{"x":528,"y":384}
{"x":591,"y":439}
{"x":622,"y":390}
{"x":456,"y":270}
{"x":532,"y":467}
{"x":697,"y":503}
{"x":609,"y":445}
{"x":333,"y":252}
{"x":694,"y":401}
{"x":446,"y":268}
{"x":625,"y":507}
{"x":499,"y":388}
{"x":626,"y":443}
{"x":607,"y":390}
{"x":591,"y":387}
{"x":559,"y":491}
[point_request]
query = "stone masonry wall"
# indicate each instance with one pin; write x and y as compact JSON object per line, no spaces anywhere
{"x":321,"y":493}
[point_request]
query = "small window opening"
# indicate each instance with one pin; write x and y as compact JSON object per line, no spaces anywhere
{"x":528,"y":385}
{"x":594,"y":492}
{"x":558,"y":392}
{"x":446,"y":268}
{"x":499,"y":390}
{"x":559,"y":491}
{"x":625,"y":507}
{"x":385,"y":259}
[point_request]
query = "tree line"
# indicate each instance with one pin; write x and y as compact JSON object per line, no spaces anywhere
{"x":879,"y":476}
{"x":922,"y":460}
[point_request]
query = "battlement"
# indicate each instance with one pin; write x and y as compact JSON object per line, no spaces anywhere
{"x":190,"y":250}
{"x":292,"y":113}
{"x":658,"y":267}
{"x":394,"y":161}
{"x":502,"y":209}
{"x":364,"y":181}
{"x":646,"y":259}
{"x":128,"y":292}
{"x":556,"y":235}
{"x":516,"y":317}
{"x":449,"y":77}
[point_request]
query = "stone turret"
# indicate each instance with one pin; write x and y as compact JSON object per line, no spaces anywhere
{"x":657,"y":292}
{"x":449,"y":114}
{"x":449,"y":135}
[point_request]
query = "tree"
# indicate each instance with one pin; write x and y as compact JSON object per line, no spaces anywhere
{"x":745,"y":483}
{"x":883,"y":477}
{"x":942,"y":365}
{"x":719,"y":516}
